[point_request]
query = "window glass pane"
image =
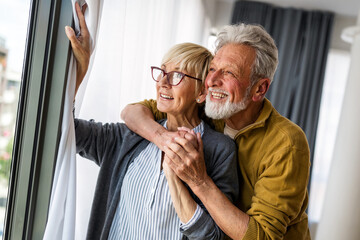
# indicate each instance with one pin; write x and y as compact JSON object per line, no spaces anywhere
{"x":13,"y":29}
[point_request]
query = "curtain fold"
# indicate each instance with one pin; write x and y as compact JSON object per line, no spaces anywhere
{"x":62,"y":209}
{"x":303,"y":40}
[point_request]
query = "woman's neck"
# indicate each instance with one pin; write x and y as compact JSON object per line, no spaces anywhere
{"x":173,"y":122}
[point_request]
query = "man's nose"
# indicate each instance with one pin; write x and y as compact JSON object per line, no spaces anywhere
{"x":215,"y":78}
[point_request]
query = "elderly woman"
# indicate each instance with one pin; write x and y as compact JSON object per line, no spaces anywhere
{"x":137,"y":195}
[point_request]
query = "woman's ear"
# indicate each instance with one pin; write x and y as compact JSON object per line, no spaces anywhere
{"x":201,"y":96}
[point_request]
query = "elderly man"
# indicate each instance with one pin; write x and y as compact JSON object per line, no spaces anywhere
{"x":273,"y":152}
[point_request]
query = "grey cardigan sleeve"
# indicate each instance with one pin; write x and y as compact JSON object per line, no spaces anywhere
{"x":101,"y":142}
{"x":221,"y":163}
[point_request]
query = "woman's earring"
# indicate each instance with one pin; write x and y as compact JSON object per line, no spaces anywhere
{"x":198,"y":100}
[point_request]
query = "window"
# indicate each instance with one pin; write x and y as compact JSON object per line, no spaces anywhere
{"x":39,"y":112}
{"x":333,"y":92}
{"x":12,"y":46}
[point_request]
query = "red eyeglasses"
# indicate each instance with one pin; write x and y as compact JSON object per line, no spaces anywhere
{"x":174,"y":78}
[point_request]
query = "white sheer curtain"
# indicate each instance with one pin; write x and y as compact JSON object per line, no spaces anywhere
{"x":133,"y":35}
{"x":61,"y":219}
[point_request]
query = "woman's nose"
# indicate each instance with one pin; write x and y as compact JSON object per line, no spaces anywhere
{"x":163,"y":82}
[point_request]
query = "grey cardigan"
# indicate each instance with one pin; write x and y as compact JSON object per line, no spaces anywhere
{"x":113,"y":147}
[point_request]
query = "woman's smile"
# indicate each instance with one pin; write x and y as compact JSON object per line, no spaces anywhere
{"x":166,"y":96}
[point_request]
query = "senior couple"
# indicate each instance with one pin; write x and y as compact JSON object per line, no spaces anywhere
{"x":174,"y":175}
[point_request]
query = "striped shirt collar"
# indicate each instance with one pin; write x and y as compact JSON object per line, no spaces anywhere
{"x":198,"y":129}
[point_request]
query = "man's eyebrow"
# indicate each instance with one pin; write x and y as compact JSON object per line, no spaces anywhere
{"x":237,"y":70}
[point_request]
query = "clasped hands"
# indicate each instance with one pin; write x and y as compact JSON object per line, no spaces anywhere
{"x":184,"y":156}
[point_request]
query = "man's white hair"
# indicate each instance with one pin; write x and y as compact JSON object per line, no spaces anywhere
{"x":255,"y":36}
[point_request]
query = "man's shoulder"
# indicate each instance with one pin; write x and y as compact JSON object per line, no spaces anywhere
{"x":284,"y":130}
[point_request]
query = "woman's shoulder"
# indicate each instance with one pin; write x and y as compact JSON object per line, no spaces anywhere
{"x":214,"y":138}
{"x":220,"y":152}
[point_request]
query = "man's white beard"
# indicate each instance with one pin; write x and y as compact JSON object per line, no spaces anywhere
{"x":216,"y":110}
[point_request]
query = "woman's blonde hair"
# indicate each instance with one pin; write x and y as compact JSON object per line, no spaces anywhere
{"x":192,"y":58}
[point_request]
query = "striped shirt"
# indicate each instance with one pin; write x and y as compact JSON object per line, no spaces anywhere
{"x":145,"y":209}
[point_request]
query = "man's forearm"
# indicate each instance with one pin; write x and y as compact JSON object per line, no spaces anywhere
{"x":227,"y":216}
{"x":141,"y":121}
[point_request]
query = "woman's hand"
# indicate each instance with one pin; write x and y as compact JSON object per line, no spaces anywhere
{"x":80,"y":45}
{"x":187,"y":161}
{"x":169,"y":173}
{"x":189,"y":135}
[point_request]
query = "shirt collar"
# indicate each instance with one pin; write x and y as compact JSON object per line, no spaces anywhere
{"x":260,"y":121}
{"x":198,"y":129}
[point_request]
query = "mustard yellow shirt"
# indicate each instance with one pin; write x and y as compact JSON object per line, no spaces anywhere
{"x":274,"y":160}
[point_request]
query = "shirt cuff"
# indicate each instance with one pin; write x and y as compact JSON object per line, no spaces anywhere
{"x":198,"y":212}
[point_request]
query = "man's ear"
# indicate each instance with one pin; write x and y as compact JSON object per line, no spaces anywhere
{"x":261,"y":88}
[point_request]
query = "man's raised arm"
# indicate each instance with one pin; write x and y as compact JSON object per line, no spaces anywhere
{"x":140,"y":119}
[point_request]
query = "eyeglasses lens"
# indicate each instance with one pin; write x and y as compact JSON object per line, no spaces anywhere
{"x":157,"y":74}
{"x":175,"y":78}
